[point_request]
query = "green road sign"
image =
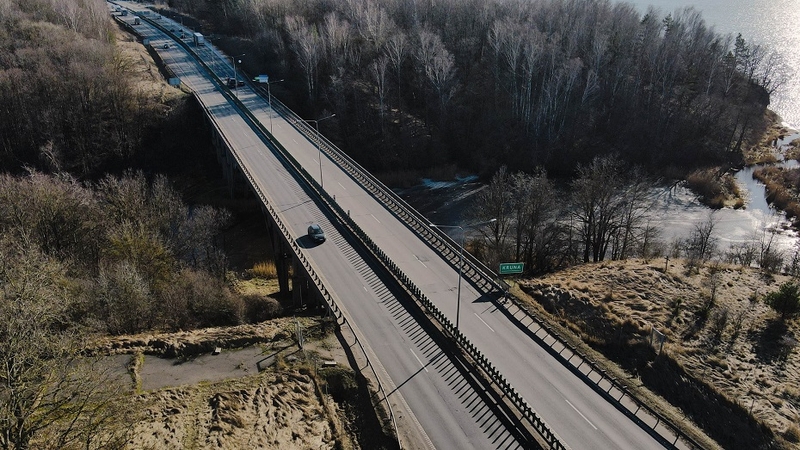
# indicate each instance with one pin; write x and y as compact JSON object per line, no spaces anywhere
{"x":509,"y":268}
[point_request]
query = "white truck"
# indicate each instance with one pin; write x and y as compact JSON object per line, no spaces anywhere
{"x":199,"y":39}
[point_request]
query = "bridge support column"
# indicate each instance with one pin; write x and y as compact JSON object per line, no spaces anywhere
{"x":280,"y":254}
{"x":299,"y":284}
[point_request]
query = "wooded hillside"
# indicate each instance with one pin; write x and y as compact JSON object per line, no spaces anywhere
{"x":484,"y":83}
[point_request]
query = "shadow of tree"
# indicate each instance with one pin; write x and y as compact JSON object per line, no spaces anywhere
{"x":774,"y":343}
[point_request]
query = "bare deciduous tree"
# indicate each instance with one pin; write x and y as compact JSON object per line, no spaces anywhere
{"x":50,"y":396}
{"x":598,"y":205}
{"x":307,"y":45}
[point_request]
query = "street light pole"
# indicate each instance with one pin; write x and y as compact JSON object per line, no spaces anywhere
{"x":461,"y":258}
{"x":235,"y":76}
{"x":319,"y":149}
{"x":269,"y":97}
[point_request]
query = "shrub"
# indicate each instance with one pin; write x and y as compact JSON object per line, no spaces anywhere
{"x":785,"y":301}
{"x":258,"y":308}
{"x":792,"y":434}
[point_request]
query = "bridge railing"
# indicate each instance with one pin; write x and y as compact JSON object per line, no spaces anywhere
{"x":307,"y":267}
{"x":475,"y":270}
{"x":482,"y":361}
{"x":487,"y":281}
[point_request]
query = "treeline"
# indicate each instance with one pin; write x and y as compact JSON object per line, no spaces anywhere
{"x":521,"y":83}
{"x":604,"y":215}
{"x":77,"y":260}
{"x":130,"y":254}
{"x":69,"y":102}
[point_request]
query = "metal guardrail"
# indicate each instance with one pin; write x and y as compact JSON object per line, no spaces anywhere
{"x":482,"y":361}
{"x":481,"y":276}
{"x":484,"y":364}
{"x":475,"y":270}
{"x":307,"y":267}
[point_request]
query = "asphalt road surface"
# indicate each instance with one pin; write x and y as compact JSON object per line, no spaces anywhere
{"x":428,"y":389}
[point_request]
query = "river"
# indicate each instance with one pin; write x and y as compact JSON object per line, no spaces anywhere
{"x":774,"y":24}
{"x":675,"y":210}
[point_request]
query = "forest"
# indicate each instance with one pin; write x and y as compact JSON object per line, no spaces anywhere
{"x":94,"y":240}
{"x":97,"y":233}
{"x":479,"y":84}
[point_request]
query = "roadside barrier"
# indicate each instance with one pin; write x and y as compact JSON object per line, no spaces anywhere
{"x":474,"y":270}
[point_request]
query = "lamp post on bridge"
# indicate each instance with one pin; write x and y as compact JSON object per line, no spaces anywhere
{"x":235,"y":76}
{"x":269,"y":99}
{"x":319,"y":150}
{"x":461,"y":257}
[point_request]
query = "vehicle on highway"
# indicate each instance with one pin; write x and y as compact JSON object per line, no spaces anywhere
{"x":232,"y":82}
{"x":316,"y":234}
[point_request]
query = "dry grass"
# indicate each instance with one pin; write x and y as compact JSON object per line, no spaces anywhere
{"x":268,"y":410}
{"x":782,"y":188}
{"x":733,"y":347}
{"x":265,"y":269}
{"x":717,"y":189}
{"x":763,"y":151}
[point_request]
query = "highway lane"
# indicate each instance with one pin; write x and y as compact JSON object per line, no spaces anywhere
{"x":450,"y":410}
{"x":574,"y":411}
{"x":582,"y":418}
{"x":578,"y":414}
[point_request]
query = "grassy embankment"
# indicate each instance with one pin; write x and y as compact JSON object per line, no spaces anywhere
{"x":729,"y":365}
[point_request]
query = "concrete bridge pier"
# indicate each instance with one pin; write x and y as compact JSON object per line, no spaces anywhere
{"x":237,"y":183}
{"x":281,"y":254}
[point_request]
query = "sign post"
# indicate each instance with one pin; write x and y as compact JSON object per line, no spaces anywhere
{"x":511,"y":268}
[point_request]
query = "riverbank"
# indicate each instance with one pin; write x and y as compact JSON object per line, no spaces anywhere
{"x":717,"y":187}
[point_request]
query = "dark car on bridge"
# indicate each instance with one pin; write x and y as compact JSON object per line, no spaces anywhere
{"x":233,"y":82}
{"x":316,"y":234}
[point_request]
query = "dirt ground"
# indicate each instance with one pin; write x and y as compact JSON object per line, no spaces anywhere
{"x":717,"y":328}
{"x":249,"y":386}
{"x":267,"y":410}
{"x":143,"y":69}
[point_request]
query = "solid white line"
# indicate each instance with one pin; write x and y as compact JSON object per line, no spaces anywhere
{"x":420,"y":261}
{"x":420,"y":361}
{"x":584,"y":417}
{"x":376,"y":219}
{"x":487,"y":325}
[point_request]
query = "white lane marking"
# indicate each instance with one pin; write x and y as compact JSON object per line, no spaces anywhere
{"x":420,"y":261}
{"x":376,"y":219}
{"x":295,"y":141}
{"x":484,"y":322}
{"x":584,"y":417}
{"x":420,"y":361}
{"x":365,"y":288}
{"x":340,"y":184}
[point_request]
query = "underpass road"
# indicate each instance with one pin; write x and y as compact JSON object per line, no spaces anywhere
{"x":448,"y":410}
